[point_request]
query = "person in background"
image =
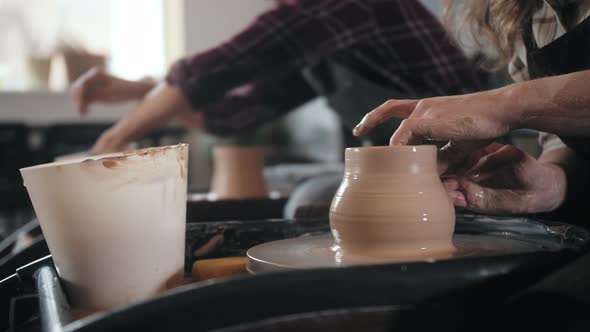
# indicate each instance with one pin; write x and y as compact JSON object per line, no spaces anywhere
{"x":256,"y":76}
{"x":545,"y":44}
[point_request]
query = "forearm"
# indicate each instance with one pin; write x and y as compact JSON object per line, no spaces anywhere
{"x":558,"y":104}
{"x":141,"y":88}
{"x":159,"y":106}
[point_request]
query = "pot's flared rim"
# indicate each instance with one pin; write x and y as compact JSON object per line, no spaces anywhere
{"x":151,"y":151}
{"x":408,"y":159}
{"x":393,"y":149}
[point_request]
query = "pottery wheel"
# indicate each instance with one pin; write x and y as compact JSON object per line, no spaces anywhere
{"x":319,"y":251}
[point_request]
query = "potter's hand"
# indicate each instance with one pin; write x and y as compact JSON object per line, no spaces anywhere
{"x":469,"y":122}
{"x":98,"y":86}
{"x":504,"y":179}
{"x":556,"y":104}
{"x":480,"y":116}
{"x":162,"y":104}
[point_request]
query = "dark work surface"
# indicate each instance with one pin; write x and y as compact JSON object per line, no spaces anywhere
{"x":473,"y":287}
{"x":467,"y":290}
{"x":246,"y":209}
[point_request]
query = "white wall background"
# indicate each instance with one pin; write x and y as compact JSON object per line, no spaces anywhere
{"x":435,"y":6}
{"x":208,"y":22}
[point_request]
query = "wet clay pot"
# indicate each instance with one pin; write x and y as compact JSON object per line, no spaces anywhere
{"x":238,"y":173}
{"x":114,"y":224}
{"x":391,"y":202}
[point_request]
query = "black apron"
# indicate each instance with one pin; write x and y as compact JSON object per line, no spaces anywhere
{"x":567,"y":54}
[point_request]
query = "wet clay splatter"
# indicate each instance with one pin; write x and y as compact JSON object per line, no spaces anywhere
{"x":180,"y":159}
{"x":110,"y":163}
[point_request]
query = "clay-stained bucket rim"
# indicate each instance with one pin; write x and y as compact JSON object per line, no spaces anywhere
{"x":151,"y":151}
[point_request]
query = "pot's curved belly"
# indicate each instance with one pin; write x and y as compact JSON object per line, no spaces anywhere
{"x":398,"y":213}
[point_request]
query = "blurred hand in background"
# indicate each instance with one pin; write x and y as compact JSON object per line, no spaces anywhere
{"x":96,"y":85}
{"x":158,"y":105}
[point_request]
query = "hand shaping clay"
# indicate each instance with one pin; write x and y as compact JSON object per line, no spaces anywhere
{"x":238,"y":173}
{"x":391,"y":202}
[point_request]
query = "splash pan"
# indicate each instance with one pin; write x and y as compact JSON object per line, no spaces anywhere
{"x":475,"y":236}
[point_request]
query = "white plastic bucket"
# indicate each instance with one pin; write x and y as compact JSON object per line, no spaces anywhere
{"x":114,"y":224}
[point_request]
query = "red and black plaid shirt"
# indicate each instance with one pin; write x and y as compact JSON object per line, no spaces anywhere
{"x":256,"y":75}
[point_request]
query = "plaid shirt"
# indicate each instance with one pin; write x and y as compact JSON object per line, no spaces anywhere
{"x":553,"y":19}
{"x":256,"y":75}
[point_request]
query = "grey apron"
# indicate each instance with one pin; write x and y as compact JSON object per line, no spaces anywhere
{"x":352,"y":96}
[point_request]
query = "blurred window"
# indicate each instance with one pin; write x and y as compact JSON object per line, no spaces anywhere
{"x":129,"y":33}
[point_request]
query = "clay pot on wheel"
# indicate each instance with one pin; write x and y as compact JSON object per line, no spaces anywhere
{"x":238,"y":173}
{"x":391,"y":202}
